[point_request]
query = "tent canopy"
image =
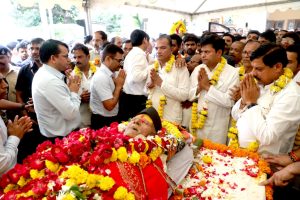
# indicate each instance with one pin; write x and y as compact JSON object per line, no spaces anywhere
{"x":190,"y":7}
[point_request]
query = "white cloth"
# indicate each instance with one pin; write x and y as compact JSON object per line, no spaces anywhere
{"x":179,"y":165}
{"x":57,"y":108}
{"x":218,"y":101}
{"x":85,"y":111}
{"x":102,"y":88}
{"x":8,"y":149}
{"x":273,"y":122}
{"x":175,"y":87}
{"x":297,"y":77}
{"x":135,"y":66}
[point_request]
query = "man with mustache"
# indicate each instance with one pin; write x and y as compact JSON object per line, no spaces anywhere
{"x":28,"y":69}
{"x":9,"y":72}
{"x":236,"y":52}
{"x":85,"y":69}
{"x":190,"y":44}
{"x":268,"y":112}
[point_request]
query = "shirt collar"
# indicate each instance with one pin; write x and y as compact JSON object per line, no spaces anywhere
{"x":54,"y":71}
{"x":106,"y":70}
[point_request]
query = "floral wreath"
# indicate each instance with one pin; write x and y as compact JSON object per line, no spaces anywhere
{"x":178,"y":28}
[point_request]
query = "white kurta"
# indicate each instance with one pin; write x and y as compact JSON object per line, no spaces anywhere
{"x":217,"y":100}
{"x":175,"y":87}
{"x":273,"y":122}
{"x":85,"y":111}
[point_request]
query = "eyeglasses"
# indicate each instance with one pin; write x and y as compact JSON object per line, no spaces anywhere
{"x":121,"y":61}
{"x":247,"y":53}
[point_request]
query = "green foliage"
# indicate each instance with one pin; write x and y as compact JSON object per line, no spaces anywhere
{"x":110,"y":21}
{"x":138,"y":22}
{"x":27,"y":16}
{"x":30,"y":16}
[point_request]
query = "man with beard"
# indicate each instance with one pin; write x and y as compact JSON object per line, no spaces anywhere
{"x":28,"y":69}
{"x":268,"y":113}
{"x":190,"y":44}
{"x":229,"y":39}
{"x":85,"y":70}
{"x":210,"y":83}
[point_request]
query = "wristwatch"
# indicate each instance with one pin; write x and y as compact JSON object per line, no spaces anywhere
{"x":251,"y":105}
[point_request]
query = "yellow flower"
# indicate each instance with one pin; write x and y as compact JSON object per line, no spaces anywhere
{"x":130,"y":196}
{"x":120,"y":193}
{"x":68,"y":196}
{"x":36,"y":174}
{"x":253,"y":146}
{"x":106,"y":183}
{"x":52,"y":166}
{"x":122,"y":154}
{"x":134,"y":158}
{"x":114,"y":155}
{"x":155,"y":153}
{"x":92,"y":180}
{"x":9,"y":187}
{"x":206,"y":159}
{"x":76,"y":174}
{"x":22,"y":181}
{"x":81,"y":139}
{"x":288,"y":73}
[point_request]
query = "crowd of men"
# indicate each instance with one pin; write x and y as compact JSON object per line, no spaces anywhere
{"x":199,"y":82}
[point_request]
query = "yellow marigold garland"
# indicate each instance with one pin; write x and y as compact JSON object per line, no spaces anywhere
{"x":78,"y":72}
{"x":198,"y":118}
{"x":277,"y":86}
{"x":162,"y":99}
{"x":242,"y":71}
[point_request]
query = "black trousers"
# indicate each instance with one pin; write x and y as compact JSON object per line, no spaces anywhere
{"x":130,"y":105}
{"x":99,"y":121}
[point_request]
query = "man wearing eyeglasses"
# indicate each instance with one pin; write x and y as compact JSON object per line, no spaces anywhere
{"x":106,"y":88}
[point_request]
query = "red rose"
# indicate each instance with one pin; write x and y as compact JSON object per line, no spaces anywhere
{"x":40,"y":188}
{"x":4,"y":181}
{"x":14,"y":176}
{"x":96,"y":159}
{"x":59,"y":154}
{"x":139,"y":145}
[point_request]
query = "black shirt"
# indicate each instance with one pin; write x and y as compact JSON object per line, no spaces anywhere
{"x":25,"y":77}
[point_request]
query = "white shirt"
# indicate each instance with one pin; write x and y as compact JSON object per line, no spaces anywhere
{"x":135,"y":66}
{"x":57,"y":108}
{"x":273,"y":122}
{"x":217,"y":100}
{"x":297,"y":77}
{"x":8,"y":149}
{"x":102,"y":88}
{"x":175,"y":87}
{"x":85,"y":111}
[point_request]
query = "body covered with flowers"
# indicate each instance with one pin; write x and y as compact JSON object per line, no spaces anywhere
{"x":273,"y":123}
{"x":222,"y":172}
{"x":213,"y":105}
{"x":102,"y":164}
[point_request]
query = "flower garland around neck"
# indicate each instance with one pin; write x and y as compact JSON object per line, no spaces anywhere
{"x":277,"y":86}
{"x":198,"y":118}
{"x":92,"y":69}
{"x":242,"y":71}
{"x":168,"y":66}
{"x":162,"y":98}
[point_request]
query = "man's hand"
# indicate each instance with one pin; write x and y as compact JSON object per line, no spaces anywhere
{"x":155,"y":78}
{"x":85,"y":96}
{"x":278,"y":160}
{"x":249,"y":90}
{"x":180,"y":62}
{"x":74,"y":83}
{"x":203,"y":81}
{"x":120,"y":79}
{"x":235,"y":93}
{"x":280,"y":178}
{"x":19,"y":126}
